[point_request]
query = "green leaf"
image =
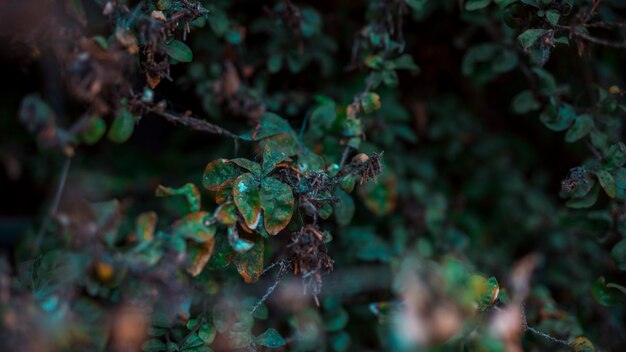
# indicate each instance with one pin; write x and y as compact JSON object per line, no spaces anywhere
{"x":348,"y":182}
{"x":269,"y":125}
{"x":153,"y":345}
{"x":336,"y":319}
{"x":477,"y":54}
{"x":223,"y":253}
{"x":249,"y":264}
{"x":607,"y":182}
{"x":561,"y":40}
{"x":485,"y":290}
{"x":368,"y":246}
{"x":178,"y":51}
{"x":270,"y":338}
{"x":283,"y":142}
{"x":435,"y":216}
{"x":207,"y":333}
{"x":275,"y":62}
{"x":525,"y":102}
{"x":599,"y":139}
{"x":586,"y":201}
{"x":195,"y":226}
{"x":370,"y":102}
{"x":189,"y":191}
{"x":95,"y":129}
{"x":504,"y":3}
{"x":219,"y":173}
{"x":35,"y":112}
{"x":218,"y":20}
{"x":156,"y":332}
{"x":249,"y":165}
{"x":122,"y":127}
{"x":472,"y":5}
{"x":247,"y":200}
{"x":322,"y":117}
{"x":618,"y":253}
{"x":530,"y":37}
{"x":272,"y":158}
{"x":608,"y":294}
{"x":379,"y":197}
{"x":553,"y":17}
{"x":325,"y":211}
{"x":277,"y":203}
{"x":192,"y":341}
{"x":403,"y":62}
{"x":581,"y":128}
{"x":172,"y":347}
{"x":558,"y":120}
{"x":340,"y":342}
{"x":343,"y":208}
{"x":417,"y":5}
{"x":505,"y":61}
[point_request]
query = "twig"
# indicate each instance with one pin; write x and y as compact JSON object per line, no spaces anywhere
{"x":193,"y":331}
{"x":617,"y":45}
{"x":344,"y":156}
{"x":595,"y":152}
{"x":283,"y":266}
{"x":540,"y":333}
{"x":196,"y":124}
{"x":599,"y":41}
{"x":55,"y":202}
{"x":602,"y":24}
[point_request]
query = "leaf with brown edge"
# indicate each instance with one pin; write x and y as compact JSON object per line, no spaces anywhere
{"x":380,"y":197}
{"x":246,"y":197}
{"x":226,"y":213}
{"x":189,"y":191}
{"x":582,"y":344}
{"x":277,"y":203}
{"x":223,"y":194}
{"x":200,"y":256}
{"x":249,"y":165}
{"x":249,"y":264}
{"x":272,"y":158}
{"x":145,"y":226}
{"x":153,"y":79}
{"x":219,"y":173}
{"x":607,"y":182}
{"x":195,"y":226}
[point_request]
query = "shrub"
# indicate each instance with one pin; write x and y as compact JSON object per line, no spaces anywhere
{"x":236,"y":175}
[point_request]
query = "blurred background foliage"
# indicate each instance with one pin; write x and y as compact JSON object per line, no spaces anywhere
{"x":402,"y":175}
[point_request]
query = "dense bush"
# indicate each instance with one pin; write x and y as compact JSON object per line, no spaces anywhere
{"x":401,"y":175}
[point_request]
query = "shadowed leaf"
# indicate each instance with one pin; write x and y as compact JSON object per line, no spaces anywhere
{"x":246,"y":197}
{"x":277,"y":203}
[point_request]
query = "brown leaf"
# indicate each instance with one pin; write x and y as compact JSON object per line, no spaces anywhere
{"x":201,"y":257}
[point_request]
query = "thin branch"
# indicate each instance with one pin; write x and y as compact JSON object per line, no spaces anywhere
{"x":55,"y":202}
{"x":344,"y":156}
{"x":196,"y":124}
{"x":281,"y":273}
{"x":595,"y":152}
{"x":617,"y":45}
{"x":589,"y":38}
{"x":608,"y":25}
{"x":540,"y":333}
{"x":193,"y":331}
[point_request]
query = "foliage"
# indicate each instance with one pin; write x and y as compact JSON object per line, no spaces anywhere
{"x":284,"y":175}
